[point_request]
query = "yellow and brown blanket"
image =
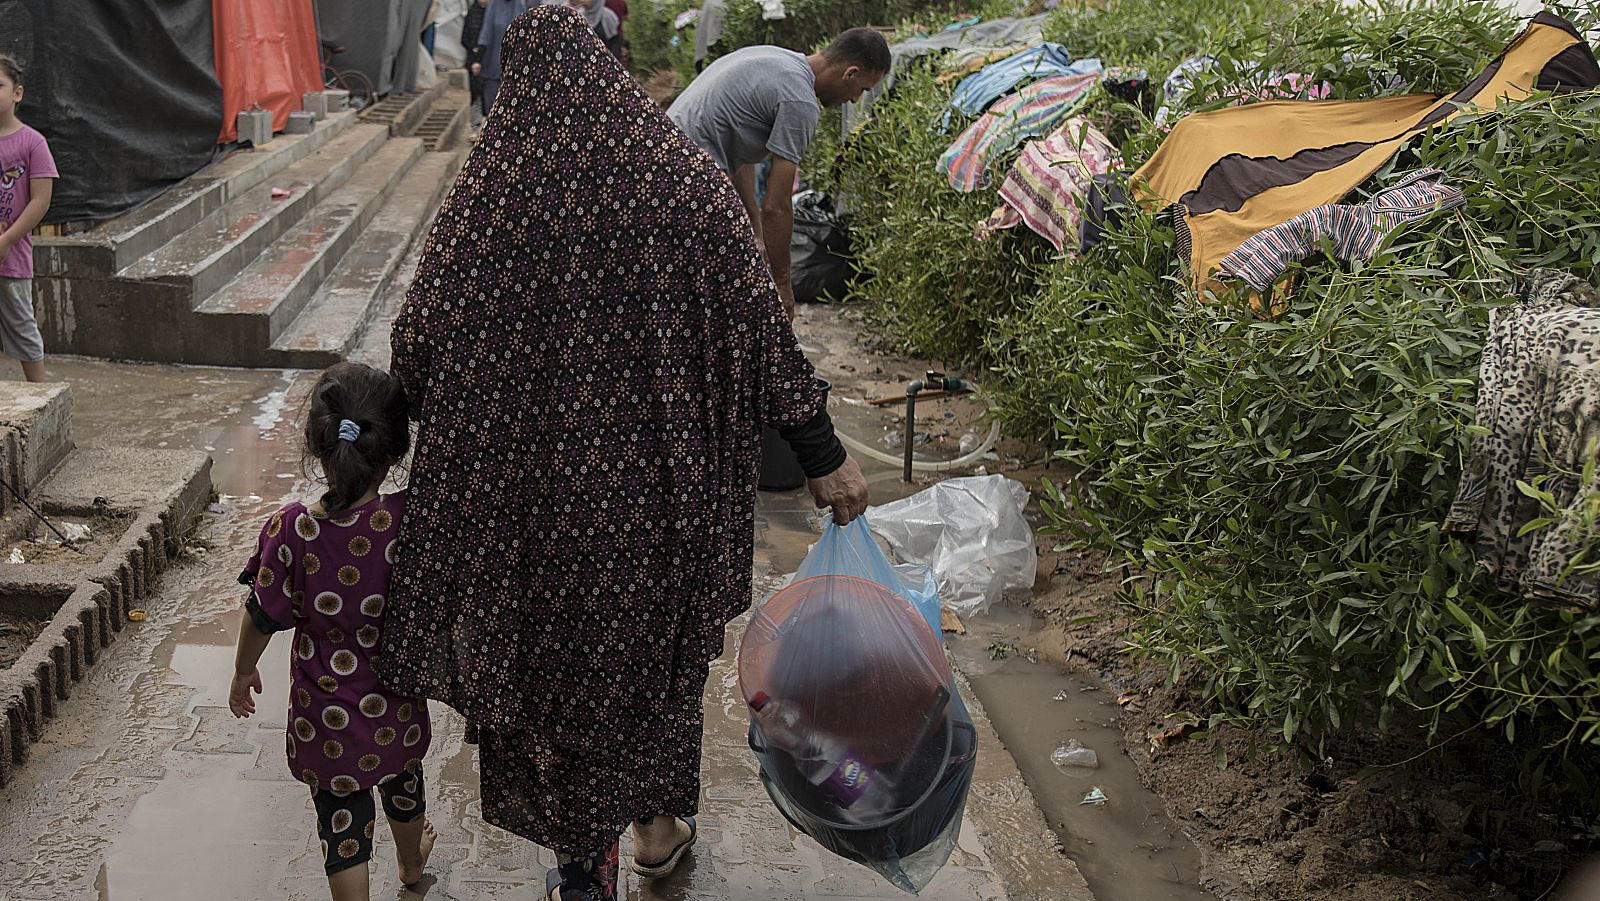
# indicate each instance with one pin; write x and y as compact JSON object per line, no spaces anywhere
{"x":1231,"y":173}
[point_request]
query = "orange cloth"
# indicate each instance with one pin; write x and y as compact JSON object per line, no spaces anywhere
{"x":267,"y":56}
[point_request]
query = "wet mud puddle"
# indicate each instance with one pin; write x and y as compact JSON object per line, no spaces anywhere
{"x":1125,"y":845}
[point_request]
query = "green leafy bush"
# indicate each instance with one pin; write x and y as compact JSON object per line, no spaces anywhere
{"x":1280,"y":482}
{"x":1283,"y":482}
{"x":650,"y":37}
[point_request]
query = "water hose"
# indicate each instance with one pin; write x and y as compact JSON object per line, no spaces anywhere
{"x":933,"y":381}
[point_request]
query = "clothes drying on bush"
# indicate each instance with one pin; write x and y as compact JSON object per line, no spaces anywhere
{"x":1537,"y":379}
{"x":958,"y":64}
{"x":1355,"y":231}
{"x":996,"y":80}
{"x":994,"y":34}
{"x":1102,"y":208}
{"x":1047,"y":186}
{"x":1231,"y":173}
{"x":1273,"y":85}
{"x":1034,"y":110}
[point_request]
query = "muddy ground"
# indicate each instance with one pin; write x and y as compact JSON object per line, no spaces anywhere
{"x":1367,"y":817}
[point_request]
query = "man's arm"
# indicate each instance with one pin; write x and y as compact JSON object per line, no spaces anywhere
{"x":744,"y":183}
{"x":777,"y":227}
{"x":39,"y":190}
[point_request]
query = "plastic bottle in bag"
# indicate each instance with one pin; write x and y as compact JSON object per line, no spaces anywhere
{"x":845,"y":775}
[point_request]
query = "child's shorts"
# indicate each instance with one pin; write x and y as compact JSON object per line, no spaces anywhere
{"x":19,"y":333}
{"x":345,"y":824}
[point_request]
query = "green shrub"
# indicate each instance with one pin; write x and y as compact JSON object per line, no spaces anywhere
{"x":650,"y":37}
{"x":1281,"y":482}
{"x":933,"y":285}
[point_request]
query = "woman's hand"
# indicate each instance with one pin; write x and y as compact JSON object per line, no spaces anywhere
{"x":844,"y":489}
{"x":239,"y":694}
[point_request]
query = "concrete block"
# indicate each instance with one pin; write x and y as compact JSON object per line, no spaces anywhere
{"x":42,"y":415}
{"x":255,"y":127}
{"x":336,"y":100}
{"x":315,"y":103}
{"x":301,"y":123}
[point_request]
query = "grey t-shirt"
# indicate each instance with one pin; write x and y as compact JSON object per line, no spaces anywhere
{"x":749,"y":104}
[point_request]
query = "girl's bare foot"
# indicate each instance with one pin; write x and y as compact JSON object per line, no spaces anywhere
{"x":411,"y":871}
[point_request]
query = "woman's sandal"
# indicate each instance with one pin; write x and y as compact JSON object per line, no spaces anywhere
{"x":552,"y":888}
{"x":665,"y":867}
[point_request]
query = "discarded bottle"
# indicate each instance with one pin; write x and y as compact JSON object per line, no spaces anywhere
{"x":841,"y":773}
{"x":1074,"y":759}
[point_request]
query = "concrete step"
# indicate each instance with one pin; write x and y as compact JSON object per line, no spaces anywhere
{"x":238,"y":323}
{"x":117,"y":243}
{"x":445,"y":126}
{"x":380,"y":263}
{"x":404,"y":112}
{"x":207,"y":256}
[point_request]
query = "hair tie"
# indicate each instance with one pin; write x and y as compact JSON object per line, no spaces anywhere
{"x":349,"y":430}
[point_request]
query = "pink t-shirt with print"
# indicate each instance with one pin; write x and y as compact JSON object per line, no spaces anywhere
{"x":23,"y":155}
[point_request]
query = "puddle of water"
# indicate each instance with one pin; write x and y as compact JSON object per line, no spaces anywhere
{"x":1127,"y":847}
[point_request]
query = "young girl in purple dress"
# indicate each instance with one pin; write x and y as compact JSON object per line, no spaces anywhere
{"x":323,"y":571}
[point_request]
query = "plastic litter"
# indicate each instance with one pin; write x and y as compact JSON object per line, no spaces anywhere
{"x":280,"y":193}
{"x":1074,"y":759}
{"x":863,"y":742}
{"x":136,"y":615}
{"x":820,"y":266}
{"x":1095,"y":797}
{"x":16,"y":556}
{"x":75,"y":531}
{"x":973,"y":534}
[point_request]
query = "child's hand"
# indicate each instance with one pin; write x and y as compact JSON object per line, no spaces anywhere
{"x":239,"y":695}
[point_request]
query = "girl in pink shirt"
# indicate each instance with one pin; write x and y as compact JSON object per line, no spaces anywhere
{"x":27,"y":174}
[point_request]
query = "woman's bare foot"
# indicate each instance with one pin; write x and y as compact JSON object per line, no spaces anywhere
{"x":411,"y":870}
{"x":653,"y":844}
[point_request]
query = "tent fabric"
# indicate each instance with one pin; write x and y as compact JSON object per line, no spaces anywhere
{"x":267,"y":57}
{"x":122,"y":139}
{"x":1229,"y":174}
{"x":381,"y":38}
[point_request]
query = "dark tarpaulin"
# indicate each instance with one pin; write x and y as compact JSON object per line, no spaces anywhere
{"x":125,"y":91}
{"x":381,"y":38}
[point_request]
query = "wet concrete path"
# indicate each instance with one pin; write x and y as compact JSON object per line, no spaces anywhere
{"x":146,"y":788}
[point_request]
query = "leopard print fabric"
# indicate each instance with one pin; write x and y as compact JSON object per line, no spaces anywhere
{"x":1538,"y":399}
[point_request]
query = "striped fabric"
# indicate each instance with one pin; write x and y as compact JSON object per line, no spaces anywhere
{"x":1046,"y":187}
{"x":1354,"y":231}
{"x":1032,"y":111}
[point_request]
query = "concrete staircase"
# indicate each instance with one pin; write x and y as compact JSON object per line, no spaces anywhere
{"x":272,"y":257}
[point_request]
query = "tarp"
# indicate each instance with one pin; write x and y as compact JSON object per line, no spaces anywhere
{"x":381,"y":38}
{"x":267,"y":57}
{"x":125,"y":91}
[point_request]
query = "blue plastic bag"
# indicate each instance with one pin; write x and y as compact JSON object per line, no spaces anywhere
{"x":852,"y":551}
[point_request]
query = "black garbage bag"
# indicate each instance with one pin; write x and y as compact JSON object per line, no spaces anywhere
{"x":819,"y":252}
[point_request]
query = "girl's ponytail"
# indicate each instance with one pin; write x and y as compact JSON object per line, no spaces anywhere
{"x":356,"y":429}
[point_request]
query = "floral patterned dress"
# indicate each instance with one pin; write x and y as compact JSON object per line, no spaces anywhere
{"x":328,"y":580}
{"x":591,"y":346}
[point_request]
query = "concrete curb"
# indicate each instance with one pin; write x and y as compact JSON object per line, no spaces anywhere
{"x":94,"y":601}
